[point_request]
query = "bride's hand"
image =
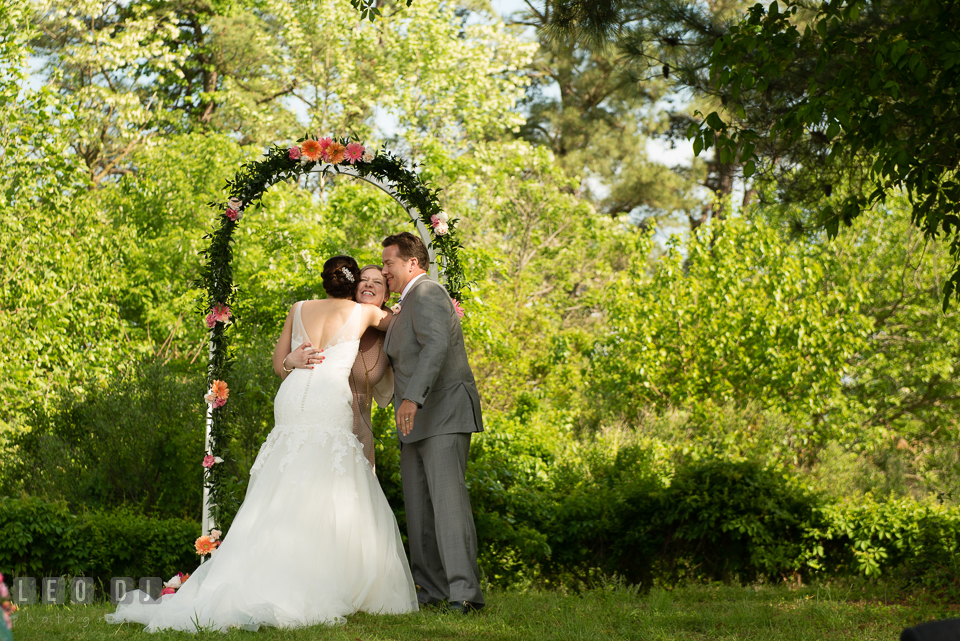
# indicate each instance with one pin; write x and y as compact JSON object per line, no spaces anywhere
{"x":304,"y":357}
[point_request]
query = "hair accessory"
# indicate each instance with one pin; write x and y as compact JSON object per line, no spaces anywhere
{"x":346,"y":272}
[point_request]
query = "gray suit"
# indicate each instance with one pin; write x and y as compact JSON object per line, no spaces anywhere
{"x":425,"y":346}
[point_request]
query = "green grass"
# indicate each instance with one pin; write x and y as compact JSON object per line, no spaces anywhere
{"x":702,"y":612}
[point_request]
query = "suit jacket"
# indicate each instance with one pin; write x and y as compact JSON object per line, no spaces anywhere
{"x":425,"y":346}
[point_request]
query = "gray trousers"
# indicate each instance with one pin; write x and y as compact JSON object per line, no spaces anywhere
{"x":443,"y":538}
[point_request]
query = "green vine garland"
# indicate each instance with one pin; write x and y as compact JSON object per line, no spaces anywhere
{"x":247,"y":188}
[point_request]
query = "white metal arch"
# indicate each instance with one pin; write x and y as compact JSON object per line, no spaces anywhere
{"x":434,"y":272}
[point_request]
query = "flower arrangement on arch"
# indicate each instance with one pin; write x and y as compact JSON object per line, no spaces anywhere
{"x":207,"y":543}
{"x":439,"y":223}
{"x":218,"y":394}
{"x":219,"y":313}
{"x":210,"y":460}
{"x":327,"y":149}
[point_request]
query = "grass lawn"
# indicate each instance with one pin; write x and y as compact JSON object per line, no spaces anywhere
{"x":701,"y":612}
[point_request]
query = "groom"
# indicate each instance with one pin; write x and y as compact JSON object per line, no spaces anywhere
{"x":437,"y":407}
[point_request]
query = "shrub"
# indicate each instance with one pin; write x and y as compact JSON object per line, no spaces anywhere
{"x":42,"y":538}
{"x":137,"y":441}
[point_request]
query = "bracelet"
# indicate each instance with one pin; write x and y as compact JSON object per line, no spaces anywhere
{"x":284,"y":365}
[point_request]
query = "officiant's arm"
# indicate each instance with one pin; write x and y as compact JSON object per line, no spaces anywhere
{"x":432,"y":321}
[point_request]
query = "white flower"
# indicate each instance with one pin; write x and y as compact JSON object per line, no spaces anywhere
{"x":217,"y":459}
{"x":443,"y":217}
{"x":214,"y":535}
{"x":234,"y":203}
{"x":368,"y":154}
{"x":441,"y":228}
{"x":173,"y":583}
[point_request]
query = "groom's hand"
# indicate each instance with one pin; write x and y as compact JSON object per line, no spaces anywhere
{"x":408,"y":409}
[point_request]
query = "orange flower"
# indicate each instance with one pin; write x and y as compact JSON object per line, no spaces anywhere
{"x":204,"y":546}
{"x":336,"y":153}
{"x":220,"y":390}
{"x":311,"y":149}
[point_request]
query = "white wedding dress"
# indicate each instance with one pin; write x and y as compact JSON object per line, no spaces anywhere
{"x":315,"y":539}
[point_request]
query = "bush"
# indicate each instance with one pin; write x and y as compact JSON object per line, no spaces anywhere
{"x":40,"y":538}
{"x":910,"y":542}
{"x":137,"y":441}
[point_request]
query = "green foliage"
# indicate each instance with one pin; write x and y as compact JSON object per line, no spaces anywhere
{"x":868,"y":89}
{"x":136,"y":442}
{"x":39,"y":538}
{"x":917,"y":543}
{"x":742,"y":316}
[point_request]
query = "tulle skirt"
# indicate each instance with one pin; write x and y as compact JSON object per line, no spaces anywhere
{"x":314,"y":541}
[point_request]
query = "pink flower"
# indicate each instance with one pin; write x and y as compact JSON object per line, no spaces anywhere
{"x":395,"y":309}
{"x":220,"y":402}
{"x":456,"y":306}
{"x":167,"y":591}
{"x":232,"y":214}
{"x":210,"y":460}
{"x":294,"y":153}
{"x":219,"y":313}
{"x":323,"y":144}
{"x":354,"y":152}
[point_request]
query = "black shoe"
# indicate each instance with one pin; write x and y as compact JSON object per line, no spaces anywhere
{"x":464,"y":607}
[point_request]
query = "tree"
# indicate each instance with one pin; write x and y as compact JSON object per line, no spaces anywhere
{"x":667,"y":42}
{"x":741,"y":316}
{"x":265,"y":71}
{"x":595,"y":111}
{"x":847,"y":92}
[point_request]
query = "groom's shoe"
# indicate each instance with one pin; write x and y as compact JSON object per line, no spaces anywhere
{"x":464,"y":607}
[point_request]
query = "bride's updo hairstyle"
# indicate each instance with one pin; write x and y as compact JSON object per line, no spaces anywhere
{"x":340,"y":277}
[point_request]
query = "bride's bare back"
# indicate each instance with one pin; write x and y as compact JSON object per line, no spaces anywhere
{"x":322,"y":321}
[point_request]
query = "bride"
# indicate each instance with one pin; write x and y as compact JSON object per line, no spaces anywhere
{"x":314,"y":539}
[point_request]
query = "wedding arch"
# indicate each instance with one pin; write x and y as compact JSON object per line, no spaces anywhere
{"x":382,"y":169}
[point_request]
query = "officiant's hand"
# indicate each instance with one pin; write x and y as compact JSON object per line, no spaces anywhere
{"x":304,"y":357}
{"x":408,"y":409}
